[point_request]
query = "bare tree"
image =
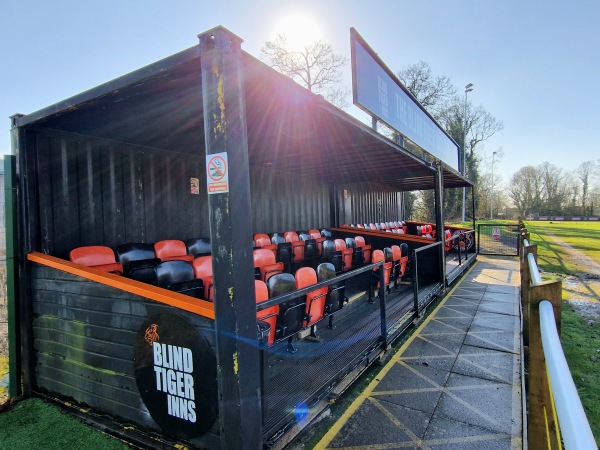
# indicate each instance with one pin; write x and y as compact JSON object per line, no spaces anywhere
{"x":585,"y":171}
{"x":554,"y":189}
{"x":525,"y":190}
{"x":315,"y":67}
{"x":433,"y":92}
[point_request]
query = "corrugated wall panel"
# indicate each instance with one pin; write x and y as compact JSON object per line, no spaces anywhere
{"x":95,"y":192}
{"x":284,"y":201}
{"x":369,"y":205}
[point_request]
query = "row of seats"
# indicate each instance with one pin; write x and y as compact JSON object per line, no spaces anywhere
{"x":392,"y":227}
{"x":294,"y":248}
{"x":288,"y":318}
{"x":138,"y":260}
{"x":395,"y":259}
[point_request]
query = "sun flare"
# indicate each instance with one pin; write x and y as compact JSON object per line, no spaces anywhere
{"x":300,"y":30}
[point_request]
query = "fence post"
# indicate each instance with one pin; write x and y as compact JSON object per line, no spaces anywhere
{"x":525,"y":290}
{"x":540,"y":417}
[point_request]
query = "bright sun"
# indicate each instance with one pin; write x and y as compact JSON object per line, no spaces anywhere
{"x":300,"y":30}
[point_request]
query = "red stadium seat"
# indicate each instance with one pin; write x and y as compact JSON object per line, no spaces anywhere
{"x":297,"y":246}
{"x":262,"y":240}
{"x":98,"y":257}
{"x":203,"y":270}
{"x":264,"y":261}
{"x":366,"y":249}
{"x":400,"y":261}
{"x":316,"y":235}
{"x":268,"y":315}
{"x":378,"y":256}
{"x":315,"y":300}
{"x":172,"y":250}
{"x":340,"y":246}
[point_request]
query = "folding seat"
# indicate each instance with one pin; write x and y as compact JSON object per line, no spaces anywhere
{"x":310,"y":248}
{"x":316,"y":235}
{"x":297,"y":247}
{"x":366,"y":249}
{"x":264,"y":262}
{"x":400,"y":261}
{"x":315,"y":300}
{"x":178,"y":276}
{"x":291,"y":312}
{"x":98,"y":257}
{"x":262,"y":240}
{"x":377,"y":226}
{"x":447,"y":242}
{"x":283,"y":252}
{"x":378,"y":256}
{"x":335,"y":298}
{"x":326,"y":233}
{"x":372,"y":226}
{"x":139,"y":261}
{"x":383,"y":226}
{"x":357,"y":252}
{"x":203,"y":271}
{"x":332,"y":255}
{"x":359,"y":225}
{"x":268,"y":315}
{"x":198,"y":247}
{"x":340,"y":245}
{"x":171,"y":250}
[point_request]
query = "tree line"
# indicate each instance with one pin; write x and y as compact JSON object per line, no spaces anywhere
{"x":543,"y":189}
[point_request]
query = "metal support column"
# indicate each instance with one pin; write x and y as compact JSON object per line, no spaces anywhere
{"x":439,"y":218}
{"x":10,"y":219}
{"x":238,"y":359}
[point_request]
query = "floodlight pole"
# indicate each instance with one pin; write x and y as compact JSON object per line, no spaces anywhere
{"x":468,"y":88}
{"x":492,"y":189}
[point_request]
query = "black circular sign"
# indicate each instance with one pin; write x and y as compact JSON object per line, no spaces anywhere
{"x":176,"y":374}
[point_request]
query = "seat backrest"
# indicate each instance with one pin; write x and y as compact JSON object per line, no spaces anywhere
{"x":265,"y":262}
{"x":396,"y":253}
{"x":359,"y":225}
{"x":291,"y":236}
{"x":261,"y":240}
{"x":326,"y":233}
{"x":340,"y":244}
{"x":315,"y":300}
{"x":203,"y":270}
{"x":314,"y":233}
{"x":171,"y":249}
{"x":170,"y":272}
{"x":335,"y":292}
{"x":134,"y":252}
{"x":198,"y":247}
{"x":93,"y":255}
{"x":377,"y":256}
{"x":350,"y":243}
{"x":277,"y":238}
{"x":268,"y":315}
{"x":388,"y":254}
{"x":280,"y":284}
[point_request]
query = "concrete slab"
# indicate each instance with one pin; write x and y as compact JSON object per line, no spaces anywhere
{"x":456,"y":383}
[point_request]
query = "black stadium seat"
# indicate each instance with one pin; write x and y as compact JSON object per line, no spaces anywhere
{"x":198,"y":247}
{"x":139,"y":261}
{"x":178,"y":276}
{"x":291,"y":313}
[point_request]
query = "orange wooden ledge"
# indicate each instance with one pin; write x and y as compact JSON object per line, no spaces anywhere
{"x":175,"y":299}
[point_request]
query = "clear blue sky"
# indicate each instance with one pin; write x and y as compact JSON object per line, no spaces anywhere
{"x":534,"y":64}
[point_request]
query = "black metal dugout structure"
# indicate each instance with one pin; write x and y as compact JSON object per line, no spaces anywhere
{"x":133,"y":161}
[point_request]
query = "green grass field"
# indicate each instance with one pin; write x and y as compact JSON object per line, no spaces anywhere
{"x":583,"y":236}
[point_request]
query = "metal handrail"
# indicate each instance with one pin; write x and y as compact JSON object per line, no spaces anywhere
{"x":574,"y":426}
{"x":573,"y":423}
{"x":536,"y":278}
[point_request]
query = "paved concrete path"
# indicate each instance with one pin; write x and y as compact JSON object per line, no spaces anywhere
{"x":456,"y":383}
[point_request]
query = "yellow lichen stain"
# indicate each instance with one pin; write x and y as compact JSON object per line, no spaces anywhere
{"x":235,"y":363}
{"x":230,"y":291}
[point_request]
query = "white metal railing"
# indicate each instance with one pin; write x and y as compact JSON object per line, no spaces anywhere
{"x":564,"y":399}
{"x":574,"y":426}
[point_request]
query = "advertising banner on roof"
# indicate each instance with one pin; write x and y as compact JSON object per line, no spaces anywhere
{"x":377,"y":91}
